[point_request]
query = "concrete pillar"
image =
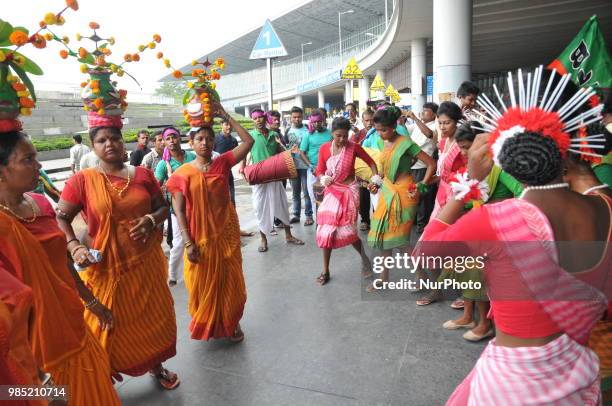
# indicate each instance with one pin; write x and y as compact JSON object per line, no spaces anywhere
{"x":364,"y":93}
{"x":298,"y":101}
{"x":381,"y":94}
{"x":263,"y":106}
{"x":452,"y":63}
{"x":247,"y":111}
{"x":348,"y":91}
{"x":321,"y":97}
{"x":417,"y":73}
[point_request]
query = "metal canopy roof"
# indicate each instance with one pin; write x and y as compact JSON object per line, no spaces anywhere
{"x":315,"y":21}
{"x":514,"y":33}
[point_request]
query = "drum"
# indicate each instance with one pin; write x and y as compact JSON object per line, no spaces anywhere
{"x":278,"y":167}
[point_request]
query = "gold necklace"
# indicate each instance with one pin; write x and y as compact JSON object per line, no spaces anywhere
{"x":22,"y":219}
{"x":203,"y":167}
{"x":116,"y":189}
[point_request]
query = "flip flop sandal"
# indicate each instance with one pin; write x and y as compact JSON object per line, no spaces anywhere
{"x":323,"y":279}
{"x":427,"y":300}
{"x":237,"y":337}
{"x":165,"y":380}
{"x":364,"y":227}
{"x":470,"y":336}
{"x":309,"y":222}
{"x":295,"y":241}
{"x":263,"y":248}
{"x":171,"y":283}
{"x":247,"y":233}
{"x":458,"y":304}
{"x":451,"y":325}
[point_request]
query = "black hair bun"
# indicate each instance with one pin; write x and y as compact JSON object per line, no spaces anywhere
{"x":531,"y":158}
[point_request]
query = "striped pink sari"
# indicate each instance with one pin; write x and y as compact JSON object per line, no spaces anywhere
{"x":563,"y":372}
{"x":444,"y":171}
{"x":337,"y":214}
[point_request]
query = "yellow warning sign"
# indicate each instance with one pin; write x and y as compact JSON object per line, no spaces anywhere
{"x":390,"y":91}
{"x":377,"y":84}
{"x":395,"y":97}
{"x":352,"y":70}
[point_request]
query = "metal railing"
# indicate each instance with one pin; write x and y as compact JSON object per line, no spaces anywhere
{"x":287,"y":74}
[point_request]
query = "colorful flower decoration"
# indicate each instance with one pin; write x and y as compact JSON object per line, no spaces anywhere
{"x":530,"y":112}
{"x":587,"y":153}
{"x":100,"y":95}
{"x":17,"y":96}
{"x":468,"y":190}
{"x":201,"y":89}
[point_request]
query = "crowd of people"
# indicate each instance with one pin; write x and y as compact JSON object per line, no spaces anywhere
{"x":469,"y":178}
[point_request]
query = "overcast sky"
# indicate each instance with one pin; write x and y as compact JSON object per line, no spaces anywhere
{"x":189,"y":28}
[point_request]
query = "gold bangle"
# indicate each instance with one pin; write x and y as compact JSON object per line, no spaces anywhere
{"x":188,"y":244}
{"x":150,"y":217}
{"x":92,"y":303}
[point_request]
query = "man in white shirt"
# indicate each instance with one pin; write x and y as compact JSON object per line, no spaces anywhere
{"x":356,"y":124}
{"x":89,"y":160}
{"x":423,"y":134}
{"x":152,"y":158}
{"x":77,"y":151}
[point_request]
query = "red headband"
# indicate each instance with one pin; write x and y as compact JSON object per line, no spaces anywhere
{"x":96,"y":120}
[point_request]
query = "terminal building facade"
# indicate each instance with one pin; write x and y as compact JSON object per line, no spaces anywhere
{"x":423,"y":48}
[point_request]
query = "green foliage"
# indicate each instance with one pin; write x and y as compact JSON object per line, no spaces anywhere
{"x":5,"y":31}
{"x":54,"y":142}
{"x":174,"y":90}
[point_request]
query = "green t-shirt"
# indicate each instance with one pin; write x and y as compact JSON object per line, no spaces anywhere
{"x":161,"y":171}
{"x":263,"y":147}
{"x":311,"y":143}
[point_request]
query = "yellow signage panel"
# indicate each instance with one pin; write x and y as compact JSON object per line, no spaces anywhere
{"x":377,"y":85}
{"x":352,"y":70}
{"x":390,"y":91}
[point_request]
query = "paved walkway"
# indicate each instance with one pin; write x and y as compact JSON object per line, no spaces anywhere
{"x":312,"y":345}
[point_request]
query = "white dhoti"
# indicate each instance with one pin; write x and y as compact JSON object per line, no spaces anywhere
{"x":310,"y":181}
{"x":270,"y":201}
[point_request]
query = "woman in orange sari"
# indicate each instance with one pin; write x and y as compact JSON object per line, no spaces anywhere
{"x":33,"y":250}
{"x":209,"y":223}
{"x":124,"y":207}
{"x":17,"y":365}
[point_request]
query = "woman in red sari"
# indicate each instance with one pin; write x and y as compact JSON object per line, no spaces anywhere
{"x":450,"y":161}
{"x":546,"y":294}
{"x":209,"y":224}
{"x":33,"y":249}
{"x":124,"y":207}
{"x":337,"y":215}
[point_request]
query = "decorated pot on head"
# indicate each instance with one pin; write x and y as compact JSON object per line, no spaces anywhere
{"x":201,"y":90}
{"x":103,"y":102}
{"x":17,"y":96}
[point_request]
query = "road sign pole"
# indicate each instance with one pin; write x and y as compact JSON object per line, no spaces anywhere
{"x":269,"y":64}
{"x":268,"y":46}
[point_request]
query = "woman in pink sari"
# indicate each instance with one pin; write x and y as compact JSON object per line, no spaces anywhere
{"x":546,"y":288}
{"x":337,"y":214}
{"x":450,"y":159}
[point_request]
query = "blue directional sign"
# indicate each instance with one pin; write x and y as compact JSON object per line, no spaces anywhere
{"x":429,"y":85}
{"x":268,"y":44}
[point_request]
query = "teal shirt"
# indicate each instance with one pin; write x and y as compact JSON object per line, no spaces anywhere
{"x":311,"y":143}
{"x":263,"y":147}
{"x":372,"y":140}
{"x":161,"y":171}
